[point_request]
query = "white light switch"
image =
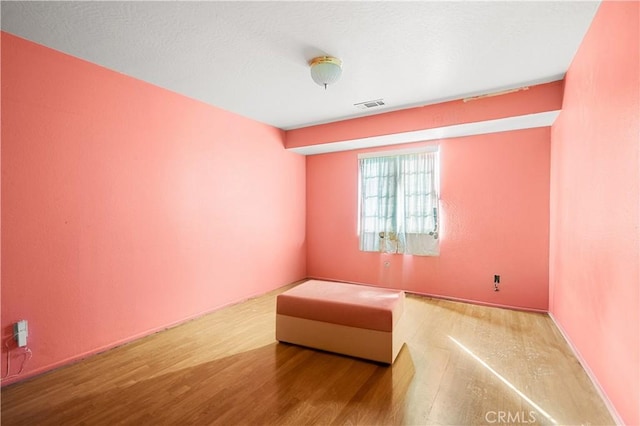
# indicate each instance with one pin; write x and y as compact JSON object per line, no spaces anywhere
{"x":20,"y":332}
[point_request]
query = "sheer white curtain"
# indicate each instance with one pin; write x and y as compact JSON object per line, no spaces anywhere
{"x":399,"y":204}
{"x":378,"y":190}
{"x":418,"y":204}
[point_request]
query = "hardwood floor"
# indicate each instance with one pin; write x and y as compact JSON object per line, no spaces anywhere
{"x":462,"y":364}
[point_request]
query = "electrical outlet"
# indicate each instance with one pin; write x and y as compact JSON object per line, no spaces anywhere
{"x":20,"y":332}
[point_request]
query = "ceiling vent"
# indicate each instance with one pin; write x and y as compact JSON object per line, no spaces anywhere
{"x":376,"y":103}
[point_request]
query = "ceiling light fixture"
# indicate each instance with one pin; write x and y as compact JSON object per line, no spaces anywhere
{"x":325,"y":70}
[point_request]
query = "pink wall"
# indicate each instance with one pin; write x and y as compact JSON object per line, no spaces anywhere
{"x":127,"y":208}
{"x":540,"y":98}
{"x":495,"y":218}
{"x":595,"y":213}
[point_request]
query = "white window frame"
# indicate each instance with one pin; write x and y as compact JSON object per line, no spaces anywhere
{"x":433,"y":249}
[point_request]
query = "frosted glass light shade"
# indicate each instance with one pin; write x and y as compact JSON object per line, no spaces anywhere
{"x":326,"y":70}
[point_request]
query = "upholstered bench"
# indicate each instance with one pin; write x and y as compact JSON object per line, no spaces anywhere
{"x":349,"y":319}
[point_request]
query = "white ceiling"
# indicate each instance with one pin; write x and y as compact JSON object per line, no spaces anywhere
{"x":251,"y":57}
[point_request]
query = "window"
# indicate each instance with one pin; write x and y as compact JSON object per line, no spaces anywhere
{"x":399,"y":202}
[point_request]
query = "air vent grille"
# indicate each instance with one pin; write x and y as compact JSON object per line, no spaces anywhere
{"x":376,"y":103}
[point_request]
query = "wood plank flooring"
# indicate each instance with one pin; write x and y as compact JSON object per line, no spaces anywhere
{"x":462,"y":365}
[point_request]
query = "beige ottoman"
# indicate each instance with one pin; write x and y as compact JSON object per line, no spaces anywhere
{"x":349,"y":319}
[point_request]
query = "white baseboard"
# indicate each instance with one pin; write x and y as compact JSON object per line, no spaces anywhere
{"x":592,"y":377}
{"x":439,"y":296}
